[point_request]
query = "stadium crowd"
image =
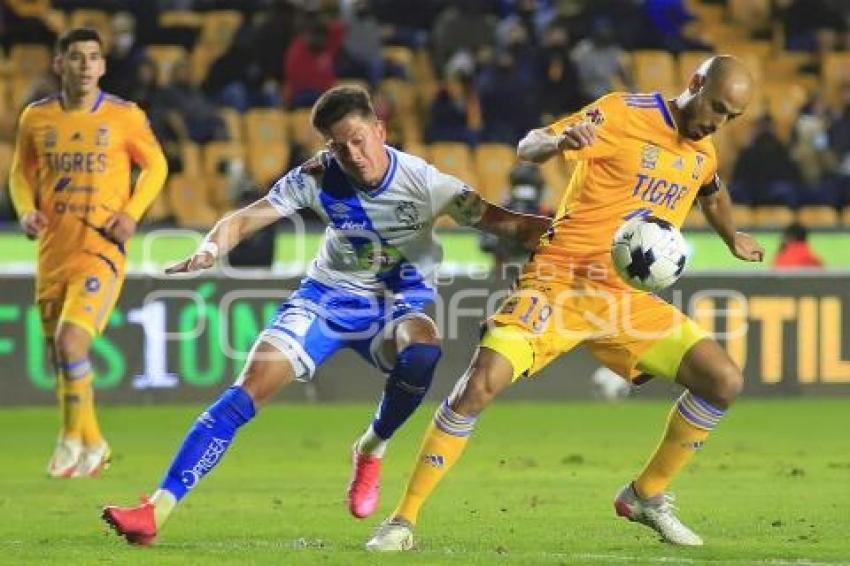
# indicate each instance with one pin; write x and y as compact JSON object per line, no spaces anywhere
{"x":227,"y":85}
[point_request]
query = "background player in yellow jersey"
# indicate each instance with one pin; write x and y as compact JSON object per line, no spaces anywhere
{"x":637,"y":154}
{"x":70,"y":184}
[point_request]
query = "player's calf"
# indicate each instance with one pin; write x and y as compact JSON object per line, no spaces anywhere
{"x":407,"y":385}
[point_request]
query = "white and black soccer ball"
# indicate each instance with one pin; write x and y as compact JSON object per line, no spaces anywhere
{"x":649,"y":253}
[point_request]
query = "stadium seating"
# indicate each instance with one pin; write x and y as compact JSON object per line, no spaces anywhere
{"x":265,"y":125}
{"x":302,"y":132}
{"x":695,"y":218}
{"x":180,"y":18}
{"x":783,"y":101}
{"x":655,"y":70}
{"x":845,"y":217}
{"x":218,"y":159}
{"x":188,"y":199}
{"x":751,"y":14}
{"x":190,"y":156}
{"x":817,"y":216}
{"x":218,"y":29}
{"x":455,"y":159}
{"x":96,"y":19}
{"x":772,"y":216}
{"x":165,"y":57}
{"x":742,"y":215}
{"x":267,"y":161}
{"x":232,"y":123}
{"x":493,"y":164}
{"x":29,"y":60}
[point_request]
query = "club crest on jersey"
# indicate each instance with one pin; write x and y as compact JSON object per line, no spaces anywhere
{"x":92,"y":284}
{"x":101,"y":137}
{"x":50,"y":138}
{"x":649,"y":156}
{"x":406,"y":213}
{"x":594,"y":116}
{"x":699,"y":159}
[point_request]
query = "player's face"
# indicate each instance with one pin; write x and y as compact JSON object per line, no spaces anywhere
{"x":81,"y":66}
{"x":714,"y":104}
{"x":358,"y":145}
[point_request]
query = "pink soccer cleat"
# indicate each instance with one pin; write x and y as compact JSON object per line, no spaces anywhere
{"x":136,"y":524}
{"x":364,"y":489}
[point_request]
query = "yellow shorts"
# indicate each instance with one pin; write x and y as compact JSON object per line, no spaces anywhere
{"x":628,"y":331}
{"x":85,"y":298}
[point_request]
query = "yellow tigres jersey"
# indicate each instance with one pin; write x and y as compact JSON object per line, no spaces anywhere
{"x":639,"y":164}
{"x":74,"y":166}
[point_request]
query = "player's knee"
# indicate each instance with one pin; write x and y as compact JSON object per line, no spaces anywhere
{"x":416,"y":365}
{"x":71,"y":344}
{"x":727,"y":382}
{"x":261,"y":380}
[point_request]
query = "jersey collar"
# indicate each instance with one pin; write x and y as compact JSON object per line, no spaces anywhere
{"x":97,"y":102}
{"x":665,"y":111}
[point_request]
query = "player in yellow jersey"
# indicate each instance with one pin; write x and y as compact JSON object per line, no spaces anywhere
{"x":636,"y":154}
{"x":70,"y":184}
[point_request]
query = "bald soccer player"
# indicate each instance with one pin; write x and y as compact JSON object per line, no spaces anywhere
{"x":636,"y":155}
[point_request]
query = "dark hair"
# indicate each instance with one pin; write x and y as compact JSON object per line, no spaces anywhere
{"x":796,"y":232}
{"x":337,"y":103}
{"x":73,"y":36}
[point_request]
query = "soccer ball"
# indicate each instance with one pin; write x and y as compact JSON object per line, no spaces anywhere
{"x":649,"y":253}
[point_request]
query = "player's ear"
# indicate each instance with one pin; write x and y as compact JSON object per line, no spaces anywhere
{"x":697,"y":82}
{"x":57,"y":65}
{"x":381,"y":129}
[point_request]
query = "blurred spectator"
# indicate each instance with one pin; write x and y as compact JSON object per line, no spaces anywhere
{"x":559,"y":90}
{"x":839,"y":144}
{"x":810,"y":151}
{"x":466,"y":27}
{"x":507,"y":101}
{"x":22,"y":22}
{"x":795,"y":251}
{"x":361,"y":56}
{"x":191,"y":116}
{"x":409,"y":27}
{"x":236,"y":79}
{"x":675,"y":27}
{"x":811,"y":25}
{"x":764,"y":172}
{"x":455,"y":113}
{"x":257,"y":250}
{"x":526,"y":194}
{"x":534,"y":16}
{"x":599,"y":60}
{"x":310,"y":61}
{"x":125,"y":55}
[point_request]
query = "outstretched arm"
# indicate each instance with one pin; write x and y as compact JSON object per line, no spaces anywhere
{"x":226,"y":234}
{"x":716,"y":204}
{"x":470,"y":209}
{"x":539,"y":145}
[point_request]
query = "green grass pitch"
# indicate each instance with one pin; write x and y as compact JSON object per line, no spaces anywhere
{"x":534,"y":487}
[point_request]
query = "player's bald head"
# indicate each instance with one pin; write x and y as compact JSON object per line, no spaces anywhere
{"x":719,"y":91}
{"x":726,"y":75}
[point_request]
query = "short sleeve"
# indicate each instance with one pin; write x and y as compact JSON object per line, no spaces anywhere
{"x":444,"y":190}
{"x":292,"y":192}
{"x":609,"y":114}
{"x":707,"y":165}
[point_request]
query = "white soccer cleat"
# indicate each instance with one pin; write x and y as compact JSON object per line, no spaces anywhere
{"x":93,"y":460}
{"x":656,"y":513}
{"x":63,"y":463}
{"x":395,"y":535}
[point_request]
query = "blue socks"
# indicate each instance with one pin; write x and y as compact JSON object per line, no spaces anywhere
{"x":207,"y":441}
{"x":407,"y":385}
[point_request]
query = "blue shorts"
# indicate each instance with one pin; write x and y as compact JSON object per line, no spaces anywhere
{"x":317,"y":320}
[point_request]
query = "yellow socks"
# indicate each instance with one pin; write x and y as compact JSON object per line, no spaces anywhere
{"x":442,"y":446}
{"x":689,"y":424}
{"x":76,"y":401}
